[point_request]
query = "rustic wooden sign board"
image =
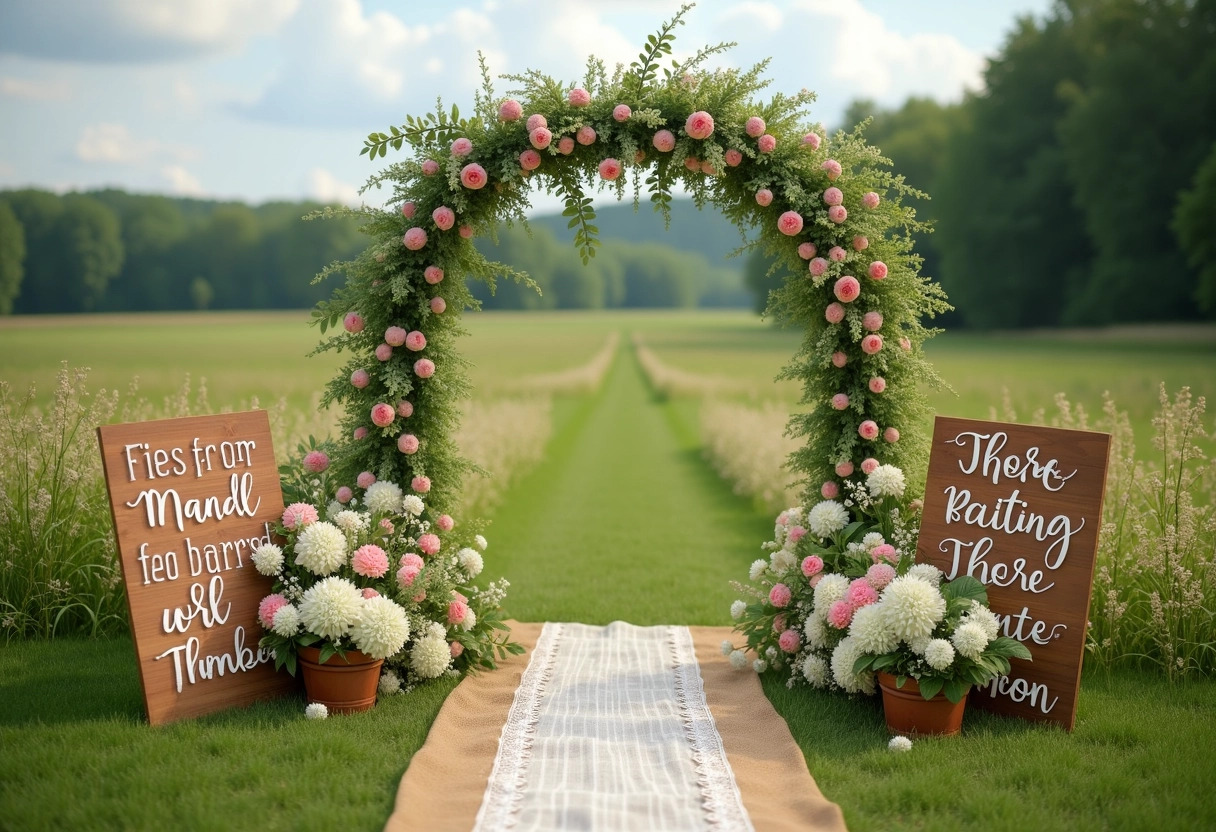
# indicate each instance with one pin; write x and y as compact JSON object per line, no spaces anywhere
{"x":1018,"y":507}
{"x":192,"y":498}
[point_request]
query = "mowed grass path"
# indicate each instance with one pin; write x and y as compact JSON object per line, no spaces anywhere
{"x":623,"y":520}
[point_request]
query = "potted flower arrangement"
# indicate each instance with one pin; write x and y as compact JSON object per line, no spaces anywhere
{"x":824,"y":564}
{"x":373,"y":580}
{"x":928,"y":641}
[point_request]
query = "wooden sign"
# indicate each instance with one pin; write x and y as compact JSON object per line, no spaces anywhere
{"x":192,"y":499}
{"x":1018,"y":508}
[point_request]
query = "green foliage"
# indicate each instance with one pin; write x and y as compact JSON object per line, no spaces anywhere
{"x":12,"y":257}
{"x":1195,"y":225}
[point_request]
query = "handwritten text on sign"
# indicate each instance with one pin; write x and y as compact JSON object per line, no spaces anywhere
{"x":1018,"y":508}
{"x":192,"y":499}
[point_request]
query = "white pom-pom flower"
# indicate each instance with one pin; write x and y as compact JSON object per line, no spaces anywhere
{"x":315,"y":710}
{"x":900,"y":744}
{"x":331,"y":607}
{"x":970,"y":639}
{"x":321,"y":548}
{"x":914,"y":607}
{"x":267,"y":559}
{"x":382,"y":628}
{"x":939,"y":653}
{"x":383,"y":497}
{"x":430,"y":657}
{"x":286,"y":621}
{"x":737,"y":608}
{"x":827,"y":518}
{"x":886,"y":481}
{"x":470,"y":561}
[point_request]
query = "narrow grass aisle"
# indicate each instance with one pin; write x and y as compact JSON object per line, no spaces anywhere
{"x":623,"y":520}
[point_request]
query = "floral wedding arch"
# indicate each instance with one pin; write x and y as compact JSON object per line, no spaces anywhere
{"x":827,"y":208}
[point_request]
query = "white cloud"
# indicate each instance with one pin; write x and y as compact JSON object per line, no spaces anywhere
{"x":181,"y":181}
{"x":323,"y":186}
{"x":35,"y":89}
{"x":113,"y":143}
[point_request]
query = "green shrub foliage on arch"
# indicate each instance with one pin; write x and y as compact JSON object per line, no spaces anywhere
{"x":826,"y":207}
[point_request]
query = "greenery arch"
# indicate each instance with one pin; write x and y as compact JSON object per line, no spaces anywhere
{"x":827,"y":208}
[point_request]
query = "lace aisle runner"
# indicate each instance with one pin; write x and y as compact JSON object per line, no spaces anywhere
{"x":609,"y":730}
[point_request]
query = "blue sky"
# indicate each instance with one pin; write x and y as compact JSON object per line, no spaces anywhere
{"x":269,"y":99}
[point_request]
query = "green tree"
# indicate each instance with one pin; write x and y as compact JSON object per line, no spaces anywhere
{"x":12,"y":257}
{"x":1195,"y":225}
{"x":151,"y":227}
{"x":759,"y":280}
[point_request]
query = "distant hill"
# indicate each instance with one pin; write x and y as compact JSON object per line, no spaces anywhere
{"x":706,"y":233}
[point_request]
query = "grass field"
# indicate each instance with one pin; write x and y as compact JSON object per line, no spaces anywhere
{"x":622,"y":519}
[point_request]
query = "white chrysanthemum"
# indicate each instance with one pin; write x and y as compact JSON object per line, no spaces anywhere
{"x":815,"y":670}
{"x":737,"y":608}
{"x":758,"y":567}
{"x":470,"y":621}
{"x":815,"y":631}
{"x":382,"y":628}
{"x":481,"y":542}
{"x":315,"y":710}
{"x":435,"y":630}
{"x":926,"y":572}
{"x":900,"y":744}
{"x":430,"y":657}
{"x":970,"y":639}
{"x":939,"y":653}
{"x":321,"y":548}
{"x":843,"y":658}
{"x":333,"y":509}
{"x":871,"y":540}
{"x":738,"y":660}
{"x":830,"y":589}
{"x":871,"y":630}
{"x":914,"y":607}
{"x":286,"y":621}
{"x":918,"y":645}
{"x":986,"y":618}
{"x":827,"y":518}
{"x":727,"y":648}
{"x":470,"y":561}
{"x":390,"y":683}
{"x":331,"y":606}
{"x":886,"y":481}
{"x":383,"y":497}
{"x":782,"y":561}
{"x":267,"y":559}
{"x":759,"y":665}
{"x":412,"y":505}
{"x":351,"y":522}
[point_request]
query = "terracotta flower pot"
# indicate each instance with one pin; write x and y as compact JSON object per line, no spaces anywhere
{"x":908,"y":712}
{"x":344,"y":686}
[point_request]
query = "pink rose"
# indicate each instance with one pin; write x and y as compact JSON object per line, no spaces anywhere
{"x":779,"y":624}
{"x":766,"y":143}
{"x":360,"y":378}
{"x":818,"y":267}
{"x":833,"y":196}
{"x":433,"y":275}
{"x":844,"y":469}
{"x":861,"y":243}
{"x":840,"y":401}
{"x":811,"y":140}
{"x":806,"y":250}
{"x":536,"y":120}
{"x":610,"y":169}
{"x":383,"y":415}
{"x":424,"y":368}
{"x":870,"y":200}
{"x":405,"y":409}
{"x":360,"y":433}
{"x":430,"y":167}
{"x":344,"y":494}
{"x":394,"y":336}
{"x":780,"y":595}
{"x":789,"y":641}
{"x":465,"y":231}
{"x":445,"y":523}
{"x":871,"y":344}
{"x":754,"y":127}
{"x":270,"y":605}
{"x":700,"y":125}
{"x":316,"y":461}
{"x":812,"y":565}
{"x":872,"y":321}
{"x":868,"y":429}
{"x":298,"y":515}
{"x":880,"y":574}
{"x":764,"y":197}
{"x":457,"y":612}
{"x":462,"y":147}
{"x":621,"y":112}
{"x":415,"y":341}
{"x":369,"y":561}
{"x":421,"y":484}
{"x":529,"y":160}
{"x":846,"y":289}
{"x":565,"y":145}
{"x":473,"y":177}
{"x":878,"y":270}
{"x":837,"y":214}
{"x":456,"y":649}
{"x":789,"y":223}
{"x":639,"y":156}
{"x":868,"y":465}
{"x":860,"y":593}
{"x":733,"y":158}
{"x":384,"y":351}
{"x":664,"y":141}
{"x":429,"y":544}
{"x":692,"y":163}
{"x":540,"y":138}
{"x":834,"y":313}
{"x":707,"y":168}
{"x":585,"y":135}
{"x":353,"y":322}
{"x":836,"y":254}
{"x":878,"y":384}
{"x":438,"y":304}
{"x":891,"y":435}
{"x":444,"y":217}
{"x":414,"y":239}
{"x":510,"y":110}
{"x":830,"y":490}
{"x":365,"y":480}
{"x":832,"y":167}
{"x":407,"y":443}
{"x":839,"y":359}
{"x":840,"y":614}
{"x":579,"y":97}
{"x":408,"y":209}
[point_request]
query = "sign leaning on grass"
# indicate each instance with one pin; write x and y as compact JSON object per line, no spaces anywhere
{"x":1018,"y":507}
{"x":192,"y":498}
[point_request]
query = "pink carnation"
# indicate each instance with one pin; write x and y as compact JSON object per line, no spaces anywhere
{"x":884,"y":552}
{"x":298,"y":515}
{"x":406,"y":575}
{"x":621,"y":112}
{"x":368,"y":593}
{"x":456,"y":649}
{"x":755,"y":127}
{"x":789,"y":641}
{"x":394,"y":336}
{"x":360,"y":378}
{"x":840,"y":614}
{"x":383,"y":415}
{"x":430,"y":167}
{"x":861,"y":242}
{"x":764,"y":197}
{"x":829,"y":490}
{"x":444,"y":217}
{"x":838,"y":214}
{"x":868,"y":429}
{"x":353,"y":322}
{"x":270,"y":605}
{"x":458,"y":611}
{"x":806,"y":250}
{"x":812,"y":565}
{"x":414,"y":239}
{"x":510,"y":110}
{"x":424,"y":368}
{"x":610,"y":169}
{"x":579,"y":97}
{"x":387,"y":525}
{"x":779,"y":623}
{"x":780,"y":595}
{"x":872,"y":321}
{"x":860,"y":593}
{"x":878,"y":270}
{"x":834,"y":313}
{"x":766,"y":143}
{"x":316,"y":461}
{"x":846,"y":289}
{"x":844,"y":469}
{"x":811,"y":140}
{"x":421,"y":484}
{"x":837,"y":255}
{"x":790,"y":223}
{"x":891,"y":435}
{"x":360,"y":433}
{"x":405,"y":409}
{"x":462,"y":147}
{"x":664,"y":141}
{"x":438,"y":305}
{"x":540,"y":137}
{"x":833,"y":196}
{"x":708,"y":168}
{"x":429,"y":544}
{"x":868,"y":465}
{"x":408,"y":209}
{"x":878,"y":384}
{"x":445,"y":523}
{"x":870,"y":200}
{"x":692,"y":163}
{"x":369,"y":561}
{"x":344,"y":494}
{"x":833,"y":168}
{"x":536,"y":120}
{"x":415,"y":341}
{"x":871,"y":344}
{"x":818,"y":267}
{"x":839,"y":359}
{"x":700,"y":125}
{"x":432,"y":275}
{"x":880,"y":574}
{"x":366,"y":479}
{"x":384,"y":351}
{"x":733,"y":158}
{"x":840,"y":401}
{"x":412,"y":559}
{"x":529,"y":160}
{"x":565,"y":145}
{"x":585,"y":135}
{"x":407,"y":443}
{"x":473,"y":176}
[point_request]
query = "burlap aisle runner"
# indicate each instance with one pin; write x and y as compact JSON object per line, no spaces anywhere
{"x":608,"y":730}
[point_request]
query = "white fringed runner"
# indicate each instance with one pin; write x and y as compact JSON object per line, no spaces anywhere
{"x":609,"y":730}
